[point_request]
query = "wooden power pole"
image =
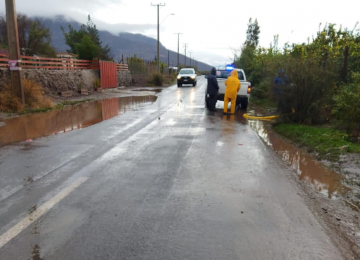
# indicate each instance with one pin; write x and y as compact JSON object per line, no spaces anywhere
{"x":178,"y":54}
{"x":14,"y":50}
{"x":158,"y":35}
{"x":185,"y":46}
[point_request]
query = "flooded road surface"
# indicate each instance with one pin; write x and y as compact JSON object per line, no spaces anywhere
{"x":169,"y":181}
{"x":305,"y":166}
{"x":33,"y":126}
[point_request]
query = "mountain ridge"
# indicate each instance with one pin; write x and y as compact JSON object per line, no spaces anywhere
{"x":123,"y":44}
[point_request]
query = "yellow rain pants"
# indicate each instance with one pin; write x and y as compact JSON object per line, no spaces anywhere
{"x":233,"y":86}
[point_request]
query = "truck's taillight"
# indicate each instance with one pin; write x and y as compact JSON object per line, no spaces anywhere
{"x":249,"y":89}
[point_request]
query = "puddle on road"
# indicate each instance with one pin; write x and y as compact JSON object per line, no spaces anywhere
{"x":306,"y":167}
{"x":33,"y":126}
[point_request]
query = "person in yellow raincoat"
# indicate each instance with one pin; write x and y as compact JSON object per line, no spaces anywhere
{"x":233,"y":86}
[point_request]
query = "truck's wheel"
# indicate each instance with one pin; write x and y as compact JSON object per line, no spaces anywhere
{"x":179,"y":85}
{"x":244,"y":103}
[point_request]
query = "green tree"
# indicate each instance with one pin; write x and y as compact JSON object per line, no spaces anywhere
{"x":39,"y":41}
{"x":247,"y":56}
{"x":34,"y":37}
{"x":73,"y":37}
{"x":252,"y":33}
{"x":87,"y":49}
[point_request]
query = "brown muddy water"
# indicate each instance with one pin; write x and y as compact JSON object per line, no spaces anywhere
{"x":33,"y":126}
{"x":307,"y":168}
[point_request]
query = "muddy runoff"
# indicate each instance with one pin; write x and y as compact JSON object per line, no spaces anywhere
{"x":307,"y":168}
{"x":38,"y":125}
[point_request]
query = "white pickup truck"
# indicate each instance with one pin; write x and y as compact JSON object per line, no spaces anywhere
{"x":244,"y":93}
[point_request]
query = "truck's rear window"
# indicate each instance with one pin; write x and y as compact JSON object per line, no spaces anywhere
{"x":224,"y":74}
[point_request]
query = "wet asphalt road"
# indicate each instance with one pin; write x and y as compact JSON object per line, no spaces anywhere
{"x":168,"y":180}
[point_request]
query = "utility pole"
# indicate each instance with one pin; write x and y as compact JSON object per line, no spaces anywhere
{"x":185,"y":46}
{"x":190,"y":57}
{"x":158,"y":35}
{"x":168,"y":58}
{"x":178,"y":54}
{"x":14,"y":50}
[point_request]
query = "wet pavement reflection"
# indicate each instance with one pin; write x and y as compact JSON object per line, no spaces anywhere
{"x":33,"y":126}
{"x":306,"y":167}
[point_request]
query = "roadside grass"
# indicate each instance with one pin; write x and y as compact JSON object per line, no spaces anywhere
{"x":264,"y":103}
{"x":56,"y":107}
{"x":27,"y":111}
{"x":75,"y":102}
{"x":329,"y":143}
{"x":36,"y":110}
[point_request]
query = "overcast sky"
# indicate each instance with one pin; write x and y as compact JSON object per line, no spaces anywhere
{"x":212,"y":28}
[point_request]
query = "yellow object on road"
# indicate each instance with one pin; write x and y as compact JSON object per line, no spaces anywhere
{"x":263,"y":117}
{"x":260,"y":117}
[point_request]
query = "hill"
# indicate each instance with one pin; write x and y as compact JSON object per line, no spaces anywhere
{"x":126,"y":44}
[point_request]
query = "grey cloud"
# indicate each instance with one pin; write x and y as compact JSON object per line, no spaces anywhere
{"x":123,"y":27}
{"x":76,"y":10}
{"x":212,"y":59}
{"x":49,"y":8}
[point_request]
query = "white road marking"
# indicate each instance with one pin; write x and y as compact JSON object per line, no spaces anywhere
{"x":28,"y":220}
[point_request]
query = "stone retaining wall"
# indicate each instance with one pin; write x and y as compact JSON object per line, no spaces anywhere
{"x":56,"y":81}
{"x":124,"y":78}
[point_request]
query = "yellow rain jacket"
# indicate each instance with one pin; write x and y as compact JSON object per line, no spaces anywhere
{"x":233,"y":85}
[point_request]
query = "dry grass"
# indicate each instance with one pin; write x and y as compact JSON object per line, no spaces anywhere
{"x":34,"y":98}
{"x":156,"y":79}
{"x":9,"y":103}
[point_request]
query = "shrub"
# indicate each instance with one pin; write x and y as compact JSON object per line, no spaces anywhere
{"x":347,"y":105}
{"x":308,"y":91}
{"x":156,"y":79}
{"x":8,"y":102}
{"x":33,"y":95}
{"x":97,"y":83}
{"x":261,"y":91}
{"x":173,"y":77}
